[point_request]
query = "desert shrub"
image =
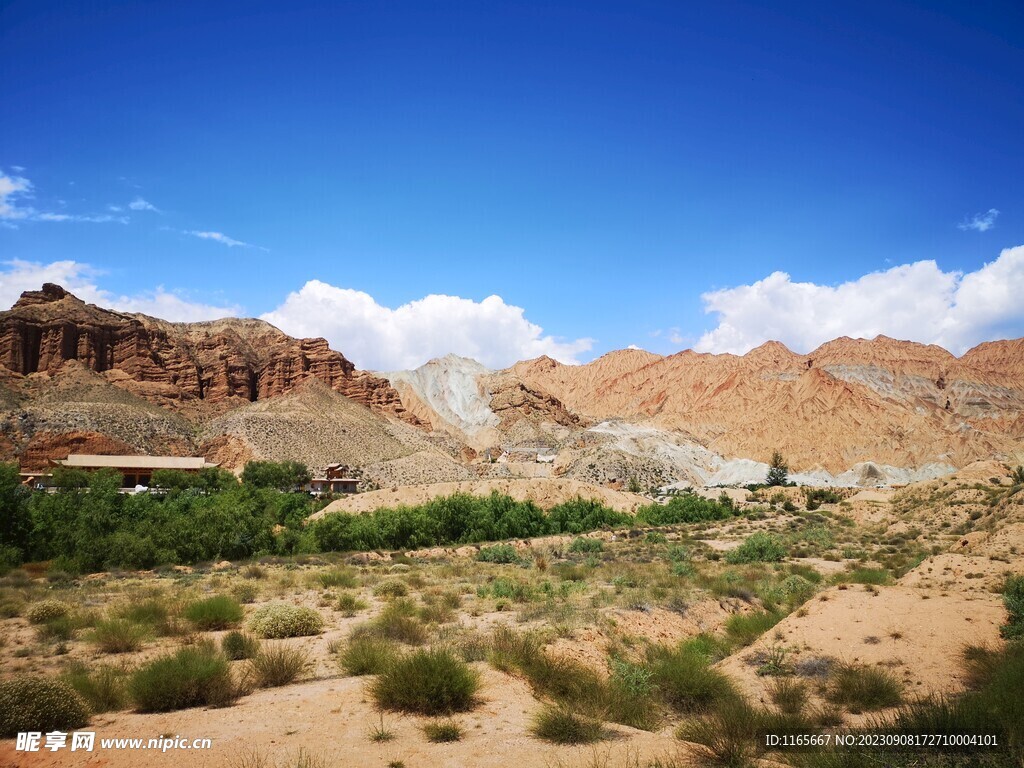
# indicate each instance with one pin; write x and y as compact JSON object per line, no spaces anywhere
{"x":280,"y":620}
{"x":863,"y":689}
{"x":213,"y":613}
{"x":33,"y":703}
{"x":398,"y":621}
{"x":507,"y":589}
{"x":338,"y":577}
{"x":758,"y":548}
{"x":1013,"y":598}
{"x":62,"y":628}
{"x":631,"y":696}
{"x":367,"y":655}
{"x":586,"y":545}
{"x":563,"y":726}
{"x":279,"y":665}
{"x":47,"y":610}
{"x":443,"y":732}
{"x":391,"y":589}
{"x":245,"y":592}
{"x":103,"y":688}
{"x":686,"y":681}
{"x":192,"y":676}
{"x":118,"y":636}
{"x":744,"y":628}
{"x":499,"y":553}
{"x":237,"y":646}
{"x":426,"y":682}
{"x":349,"y":604}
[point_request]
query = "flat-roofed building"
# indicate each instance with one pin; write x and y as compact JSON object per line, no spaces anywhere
{"x":335,"y":479}
{"x":135,"y":470}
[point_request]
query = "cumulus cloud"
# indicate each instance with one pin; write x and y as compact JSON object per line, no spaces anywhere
{"x":380,"y":338}
{"x":918,"y":301}
{"x":980,"y":222}
{"x":219,"y":237}
{"x":138,"y":204}
{"x":80,"y":279}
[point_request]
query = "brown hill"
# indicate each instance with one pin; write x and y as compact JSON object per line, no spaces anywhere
{"x":849,"y":401}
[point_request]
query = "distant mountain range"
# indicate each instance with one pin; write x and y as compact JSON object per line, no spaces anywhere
{"x":78,"y":378}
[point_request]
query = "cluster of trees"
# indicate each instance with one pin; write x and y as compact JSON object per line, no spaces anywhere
{"x":88,"y":525}
{"x":460,"y":519}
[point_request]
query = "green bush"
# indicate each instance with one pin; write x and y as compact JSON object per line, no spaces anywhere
{"x":367,"y":655}
{"x":863,"y":689}
{"x":744,"y":628}
{"x":398,"y":621}
{"x":499,"y":553}
{"x":103,"y":689}
{"x":237,"y":646}
{"x":213,"y":613}
{"x":876,"y":576}
{"x":758,"y":548}
{"x":686,"y":681}
{"x":349,"y":604}
{"x":391,"y":589}
{"x":279,"y":665}
{"x":338,"y":577}
{"x":193,"y":676}
{"x":33,"y":703}
{"x":118,"y":636}
{"x":47,"y":610}
{"x":563,"y":726}
{"x":685,"y":508}
{"x":281,"y":620}
{"x":586,"y":545}
{"x":1013,"y":598}
{"x":426,"y":682}
{"x":443,"y":732}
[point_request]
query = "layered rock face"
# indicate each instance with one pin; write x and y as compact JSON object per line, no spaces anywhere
{"x":223,"y":363}
{"x":849,"y":401}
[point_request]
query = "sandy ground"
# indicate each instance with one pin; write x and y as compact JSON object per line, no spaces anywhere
{"x":544,"y":492}
{"x":917,"y":633}
{"x":332,"y":718}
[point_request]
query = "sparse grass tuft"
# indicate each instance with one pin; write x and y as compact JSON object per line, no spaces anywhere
{"x":238,"y":645}
{"x":279,"y":665}
{"x":443,"y":732}
{"x":562,"y":726}
{"x":367,"y":655}
{"x":103,"y":689}
{"x":118,"y":636}
{"x":861,"y":688}
{"x":686,"y":681}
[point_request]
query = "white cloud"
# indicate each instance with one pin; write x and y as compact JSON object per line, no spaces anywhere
{"x":380,"y":338}
{"x":219,"y":237}
{"x":12,"y":189}
{"x":80,"y":279}
{"x":980,"y":222}
{"x":138,"y":204}
{"x":915,"y":301}
{"x":15,"y":189}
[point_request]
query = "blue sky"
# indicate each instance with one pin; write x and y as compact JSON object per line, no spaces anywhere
{"x":613,"y":169}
